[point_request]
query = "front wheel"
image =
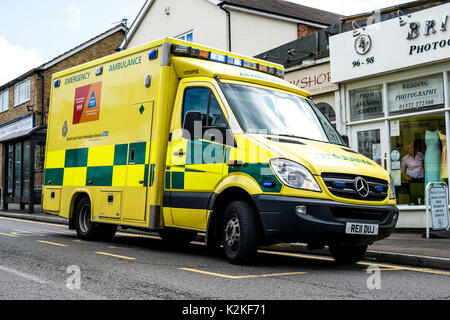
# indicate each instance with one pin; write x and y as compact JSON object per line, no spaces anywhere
{"x":347,"y":254}
{"x":240,"y":233}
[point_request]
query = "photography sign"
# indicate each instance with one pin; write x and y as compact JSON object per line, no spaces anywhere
{"x":417,"y":94}
{"x":409,"y":40}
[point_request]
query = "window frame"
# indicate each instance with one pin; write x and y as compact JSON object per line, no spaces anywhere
{"x":184,"y":35}
{"x":17,"y":88}
{"x":208,"y":109}
{"x":2,"y":107}
{"x":206,"y":127}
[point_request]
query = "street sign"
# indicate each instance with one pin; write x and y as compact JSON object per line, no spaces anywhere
{"x":437,"y":203}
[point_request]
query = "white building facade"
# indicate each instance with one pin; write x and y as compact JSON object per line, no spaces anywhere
{"x":394,"y":101}
{"x":228,"y":25}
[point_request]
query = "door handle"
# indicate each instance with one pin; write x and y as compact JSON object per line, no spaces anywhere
{"x":179,"y":153}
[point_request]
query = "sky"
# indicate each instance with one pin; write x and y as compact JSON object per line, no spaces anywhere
{"x":33,"y":32}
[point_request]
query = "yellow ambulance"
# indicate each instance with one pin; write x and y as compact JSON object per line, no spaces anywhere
{"x":183,"y":139}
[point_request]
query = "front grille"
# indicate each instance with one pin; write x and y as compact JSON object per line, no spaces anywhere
{"x":358,"y":214}
{"x":343,"y":185}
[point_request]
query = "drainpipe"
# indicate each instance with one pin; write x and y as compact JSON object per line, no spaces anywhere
{"x":41,"y":76}
{"x":228,"y":23}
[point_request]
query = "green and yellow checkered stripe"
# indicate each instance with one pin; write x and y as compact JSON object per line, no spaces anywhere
{"x":102,"y":166}
{"x":189,"y":176}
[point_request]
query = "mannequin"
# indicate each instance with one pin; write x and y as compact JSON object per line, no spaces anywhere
{"x":432,"y":157}
{"x":444,"y":169}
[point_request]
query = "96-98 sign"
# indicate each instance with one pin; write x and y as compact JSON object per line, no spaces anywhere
{"x":358,"y":63}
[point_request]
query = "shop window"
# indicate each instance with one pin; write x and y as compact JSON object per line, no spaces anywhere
{"x":366,"y":103}
{"x":26,"y":170}
{"x":327,"y":111}
{"x":369,"y":144}
{"x":10,"y":169}
{"x":39,"y":153}
{"x":418,"y":156}
{"x":416,"y":95}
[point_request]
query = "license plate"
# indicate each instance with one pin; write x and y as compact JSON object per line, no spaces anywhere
{"x":359,"y":228}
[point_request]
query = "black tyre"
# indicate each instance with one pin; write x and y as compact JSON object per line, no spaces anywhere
{"x":176,"y":238}
{"x":88,"y":230}
{"x":240,"y":233}
{"x":83,"y":224}
{"x":347,"y":254}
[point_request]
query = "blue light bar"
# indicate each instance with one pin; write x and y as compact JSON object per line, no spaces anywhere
{"x":268,"y":184}
{"x":57,"y":83}
{"x":236,"y":61}
{"x":153,"y":54}
{"x":218,"y":57}
{"x":339,"y":184}
{"x":279,"y":73}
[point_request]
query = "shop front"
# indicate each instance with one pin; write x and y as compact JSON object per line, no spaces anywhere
{"x":395,"y":104}
{"x":23,"y":150}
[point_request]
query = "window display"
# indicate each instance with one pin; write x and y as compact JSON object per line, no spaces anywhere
{"x":418,"y":156}
{"x":369,"y":144}
{"x":366,"y":103}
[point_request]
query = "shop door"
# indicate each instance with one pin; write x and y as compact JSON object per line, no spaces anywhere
{"x":17,"y":172}
{"x":10,"y":171}
{"x":371,"y":141}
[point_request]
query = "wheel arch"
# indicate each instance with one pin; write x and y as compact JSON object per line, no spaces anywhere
{"x":74,"y":199}
{"x":218,"y":208}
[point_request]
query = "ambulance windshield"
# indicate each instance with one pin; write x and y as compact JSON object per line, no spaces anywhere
{"x":271,"y":112}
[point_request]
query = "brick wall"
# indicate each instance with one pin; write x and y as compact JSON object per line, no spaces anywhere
{"x":304,"y":30}
{"x":16,"y":112}
{"x":98,"y":50}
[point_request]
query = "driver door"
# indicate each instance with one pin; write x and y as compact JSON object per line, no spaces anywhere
{"x":196,"y":160}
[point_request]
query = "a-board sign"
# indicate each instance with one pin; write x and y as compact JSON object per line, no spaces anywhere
{"x":437,"y":204}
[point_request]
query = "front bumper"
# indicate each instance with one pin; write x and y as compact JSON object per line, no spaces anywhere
{"x":325,"y":221}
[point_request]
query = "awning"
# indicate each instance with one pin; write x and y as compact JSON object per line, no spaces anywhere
{"x":23,"y":134}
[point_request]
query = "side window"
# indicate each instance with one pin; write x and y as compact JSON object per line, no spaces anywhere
{"x":215,"y":115}
{"x":196,"y":99}
{"x":202,"y":100}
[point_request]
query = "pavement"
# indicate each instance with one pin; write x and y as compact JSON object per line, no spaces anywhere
{"x":400,"y":248}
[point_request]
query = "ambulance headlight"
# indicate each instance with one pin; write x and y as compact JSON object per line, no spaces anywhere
{"x":294,"y":175}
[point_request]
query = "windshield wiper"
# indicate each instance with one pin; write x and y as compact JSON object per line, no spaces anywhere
{"x":290,"y":136}
{"x":298,"y":137}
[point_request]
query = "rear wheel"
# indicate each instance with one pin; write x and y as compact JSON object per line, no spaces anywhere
{"x":88,"y":230}
{"x":240,"y":233}
{"x":347,"y":254}
{"x":83,"y":224}
{"x":177,"y":237}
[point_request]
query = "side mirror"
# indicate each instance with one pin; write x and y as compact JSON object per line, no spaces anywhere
{"x":346,"y":140}
{"x":190,"y":121}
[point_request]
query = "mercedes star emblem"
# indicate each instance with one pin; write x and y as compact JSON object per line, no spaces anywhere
{"x":362,"y":187}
